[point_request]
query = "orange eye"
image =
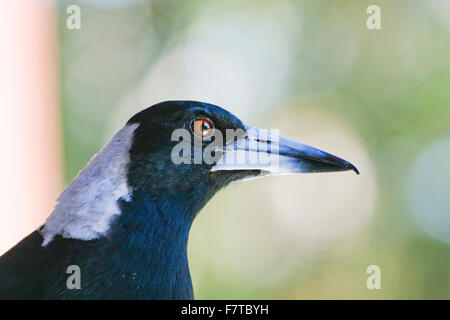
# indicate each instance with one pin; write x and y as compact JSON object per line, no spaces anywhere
{"x":202,"y":127}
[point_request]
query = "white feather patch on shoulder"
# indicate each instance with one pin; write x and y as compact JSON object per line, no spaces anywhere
{"x":85,"y":208}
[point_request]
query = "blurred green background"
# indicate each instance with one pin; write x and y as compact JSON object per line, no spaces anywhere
{"x":313,"y":70}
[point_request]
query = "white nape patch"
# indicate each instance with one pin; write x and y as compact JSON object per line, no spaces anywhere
{"x":84,"y":209}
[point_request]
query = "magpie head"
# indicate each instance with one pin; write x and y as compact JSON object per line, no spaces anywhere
{"x":175,"y":155}
{"x":169,"y":144}
{"x":199,"y":147}
{"x":141,"y":192}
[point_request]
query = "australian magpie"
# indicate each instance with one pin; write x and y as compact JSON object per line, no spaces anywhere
{"x":124,"y":220}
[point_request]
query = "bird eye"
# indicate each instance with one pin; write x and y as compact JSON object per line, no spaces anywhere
{"x":202,"y":127}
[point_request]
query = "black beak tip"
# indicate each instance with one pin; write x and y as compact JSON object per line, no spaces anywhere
{"x":352,"y":167}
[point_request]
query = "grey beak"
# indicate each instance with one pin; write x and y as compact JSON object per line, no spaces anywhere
{"x":274,"y":154}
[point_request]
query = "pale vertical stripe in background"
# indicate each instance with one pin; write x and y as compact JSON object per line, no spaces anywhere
{"x":30,"y":161}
